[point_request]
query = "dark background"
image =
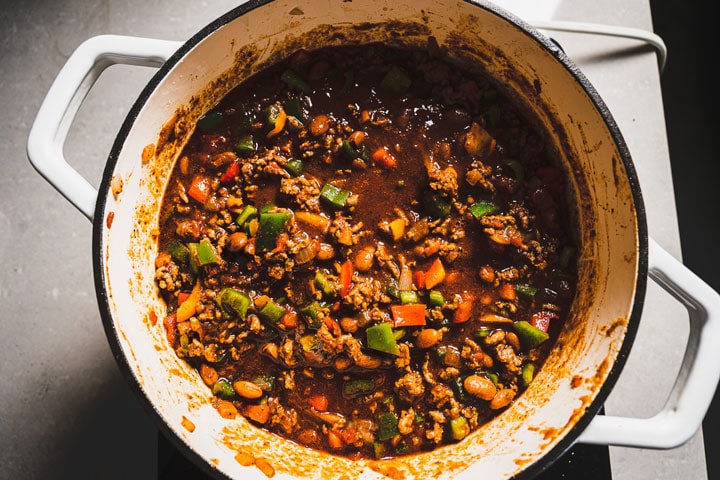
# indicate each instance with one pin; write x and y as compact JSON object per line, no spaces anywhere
{"x":690,"y":99}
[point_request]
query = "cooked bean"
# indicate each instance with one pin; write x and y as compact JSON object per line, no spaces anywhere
{"x":502,"y":398}
{"x":427,"y":338}
{"x":480,"y":386}
{"x":237,"y":241}
{"x":247,"y":389}
{"x":364,"y":258}
{"x":367,"y":361}
{"x":512,"y":339}
{"x":325,"y":251}
{"x":349,"y":324}
{"x":319,"y":125}
{"x":209,"y":375}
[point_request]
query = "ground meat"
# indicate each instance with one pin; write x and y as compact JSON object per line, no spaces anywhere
{"x":304,"y":191}
{"x":410,"y":386}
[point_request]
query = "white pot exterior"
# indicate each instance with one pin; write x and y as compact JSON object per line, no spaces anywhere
{"x":582,"y":367}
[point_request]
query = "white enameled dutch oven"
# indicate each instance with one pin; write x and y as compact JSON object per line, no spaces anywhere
{"x":616,"y":258}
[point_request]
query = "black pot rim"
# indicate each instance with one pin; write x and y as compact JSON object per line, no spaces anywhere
{"x":533,"y":469}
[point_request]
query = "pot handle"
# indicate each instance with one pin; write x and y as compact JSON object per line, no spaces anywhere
{"x":66,"y":94}
{"x":682,"y":415}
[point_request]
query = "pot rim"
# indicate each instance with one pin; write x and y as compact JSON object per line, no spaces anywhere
{"x":568,"y":440}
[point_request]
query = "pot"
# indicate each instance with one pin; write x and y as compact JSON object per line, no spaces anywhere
{"x":617,"y":257}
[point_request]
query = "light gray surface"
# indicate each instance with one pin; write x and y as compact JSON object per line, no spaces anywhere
{"x":66,"y":410}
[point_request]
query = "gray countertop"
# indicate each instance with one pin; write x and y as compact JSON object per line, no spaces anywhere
{"x":66,"y":410}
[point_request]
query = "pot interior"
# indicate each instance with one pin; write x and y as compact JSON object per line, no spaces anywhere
{"x":589,"y":354}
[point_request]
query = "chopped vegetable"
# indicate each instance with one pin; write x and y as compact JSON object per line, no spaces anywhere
{"x":210,"y":121}
{"x":223,"y":389}
{"x":435,"y":274}
{"x":323,"y":284}
{"x":234,"y":301}
{"x":257,"y":413}
{"x":246,"y":145}
{"x":231,"y":172}
{"x":397,"y":228}
{"x":435,"y":298}
{"x":387,"y":423}
{"x":295,"y":167}
{"x":542,"y":319}
{"x":357,"y":387}
{"x":205,"y":253}
{"x":410,"y":315}
{"x":435,"y":205}
{"x":346,"y":274}
{"x":480,"y":209}
{"x":459,"y":428}
{"x":319,"y":402}
{"x":294,"y":80}
{"x":248,"y":213}
{"x":464,"y":310}
{"x":526,"y":291}
{"x":396,"y":80}
{"x":179,"y":252}
{"x":380,"y":337}
{"x":189,"y":306}
{"x":529,"y":336}
{"x":272,"y":312}
{"x":200,"y":189}
{"x":269,"y":228}
{"x":334,"y":196}
{"x":353,"y":151}
{"x":409,"y":296}
{"x":383,"y":157}
{"x":527,"y":374}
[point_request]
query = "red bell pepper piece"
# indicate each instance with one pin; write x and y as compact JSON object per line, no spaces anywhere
{"x":200,"y":189}
{"x":408,"y":315}
{"x":383,"y":157}
{"x":435,"y":274}
{"x":231,"y":172}
{"x":464,"y":310}
{"x":541,"y":320}
{"x":346,"y":273}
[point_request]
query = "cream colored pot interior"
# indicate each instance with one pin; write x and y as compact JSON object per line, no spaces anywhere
{"x":580,"y":363}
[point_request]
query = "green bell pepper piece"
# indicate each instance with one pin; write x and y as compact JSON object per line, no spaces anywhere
{"x":272,"y":312}
{"x":529,"y":336}
{"x":206,"y":253}
{"x":527,"y":373}
{"x":334,"y":196}
{"x":459,"y":428}
{"x":357,"y":388}
{"x":435,"y":298}
{"x":482,"y":208}
{"x":269,"y":229}
{"x":387,"y":423}
{"x":233,"y":301}
{"x":248,"y":213}
{"x":396,"y":80}
{"x":179,"y":252}
{"x":223,"y":388}
{"x":380,"y":337}
{"x":210,"y":121}
{"x":246,"y":145}
{"x":292,"y":79}
{"x":323,"y":284}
